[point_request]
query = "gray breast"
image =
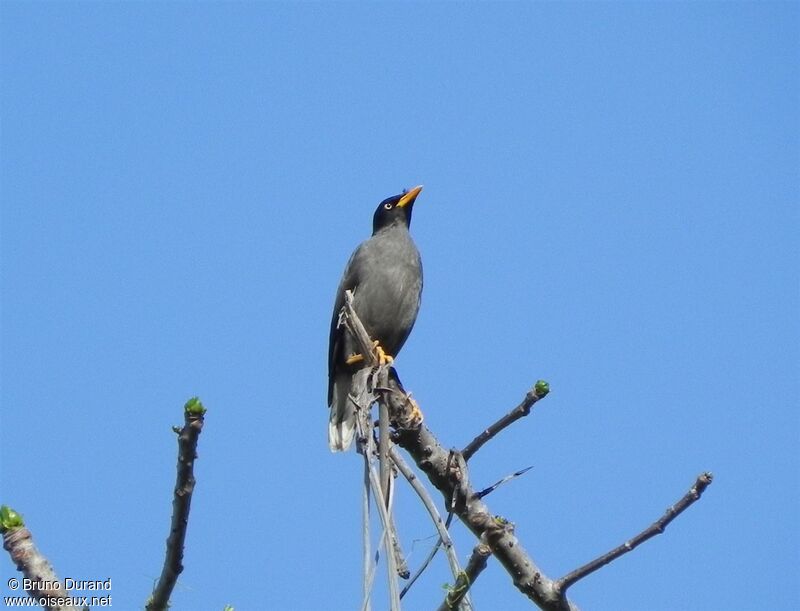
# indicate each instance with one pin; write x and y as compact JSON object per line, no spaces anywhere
{"x":387,"y":297}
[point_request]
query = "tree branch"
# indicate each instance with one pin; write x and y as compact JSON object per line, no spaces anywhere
{"x":365,"y":540}
{"x":362,"y":399}
{"x":193,"y":413}
{"x":656,"y":528}
{"x":539,"y":391}
{"x":477,"y":562}
{"x":358,"y":331}
{"x":498,"y":533}
{"x":451,"y":479}
{"x":428,"y":558}
{"x":363,"y":402}
{"x":388,"y":530}
{"x":447,"y":471}
{"x":40,"y":580}
{"x":427,"y":501}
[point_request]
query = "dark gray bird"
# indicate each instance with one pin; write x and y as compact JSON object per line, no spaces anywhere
{"x":385,"y":275}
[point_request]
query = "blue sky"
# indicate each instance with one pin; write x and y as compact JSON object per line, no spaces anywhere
{"x":610,"y":203}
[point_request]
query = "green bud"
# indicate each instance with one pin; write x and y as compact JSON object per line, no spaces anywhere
{"x":194,"y":406}
{"x":9,"y":519}
{"x":541,"y":388}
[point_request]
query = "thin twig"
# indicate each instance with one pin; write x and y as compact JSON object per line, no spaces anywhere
{"x":360,"y":333}
{"x":656,"y":528}
{"x":365,"y":605}
{"x":428,"y":559}
{"x":401,"y":567}
{"x":427,"y":501}
{"x":383,"y":443}
{"x":367,"y":448}
{"x":459,"y":592}
{"x":193,"y":413}
{"x":371,"y":565}
{"x":394,"y":593}
{"x":365,"y":536}
{"x":363,"y":402}
{"x":539,"y":391}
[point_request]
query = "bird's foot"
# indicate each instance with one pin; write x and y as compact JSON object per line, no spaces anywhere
{"x":354,"y":358}
{"x":416,"y":412}
{"x":383,"y":358}
{"x":409,"y":415}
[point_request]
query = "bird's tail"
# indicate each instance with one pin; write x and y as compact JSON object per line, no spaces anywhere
{"x":342,"y":424}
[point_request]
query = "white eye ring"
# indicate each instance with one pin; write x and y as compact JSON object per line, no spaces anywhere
{"x":387,"y":206}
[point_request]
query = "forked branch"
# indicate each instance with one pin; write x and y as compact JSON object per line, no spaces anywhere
{"x":447,"y":471}
{"x":475,"y":565}
{"x":439,"y":524}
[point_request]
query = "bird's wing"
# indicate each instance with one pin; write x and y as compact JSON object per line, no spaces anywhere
{"x":349,"y":282}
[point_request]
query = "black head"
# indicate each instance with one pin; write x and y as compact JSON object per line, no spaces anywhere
{"x":395,"y":209}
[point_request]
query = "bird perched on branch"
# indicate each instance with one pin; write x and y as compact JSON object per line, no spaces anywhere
{"x":385,"y":275}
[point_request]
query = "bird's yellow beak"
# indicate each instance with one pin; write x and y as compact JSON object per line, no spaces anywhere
{"x":409,"y":197}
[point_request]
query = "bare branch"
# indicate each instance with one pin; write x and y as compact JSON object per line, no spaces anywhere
{"x":450,"y":477}
{"x":539,"y":391}
{"x":428,"y":558}
{"x":40,"y":580}
{"x":498,"y":533}
{"x":365,"y":539}
{"x":357,"y":330}
{"x":427,"y":501}
{"x":388,"y":527}
{"x":383,"y":442}
{"x":194,"y":415}
{"x":389,"y":539}
{"x":383,"y":449}
{"x":477,"y":562}
{"x":447,"y":471}
{"x":703,"y":481}
{"x":359,"y":333}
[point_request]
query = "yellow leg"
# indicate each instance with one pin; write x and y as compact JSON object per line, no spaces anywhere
{"x":383,"y":358}
{"x":354,"y":358}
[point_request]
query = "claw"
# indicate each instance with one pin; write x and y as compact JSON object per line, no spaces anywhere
{"x":354,"y":358}
{"x":383,"y":358}
{"x":407,"y":415}
{"x":416,"y":412}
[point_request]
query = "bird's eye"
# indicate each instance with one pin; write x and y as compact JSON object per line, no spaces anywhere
{"x":387,"y":206}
